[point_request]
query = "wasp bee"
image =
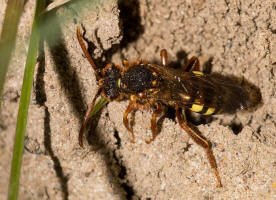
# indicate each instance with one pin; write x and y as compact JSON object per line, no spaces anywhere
{"x":156,"y":86}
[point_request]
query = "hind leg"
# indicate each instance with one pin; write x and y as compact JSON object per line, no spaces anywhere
{"x":201,"y":142}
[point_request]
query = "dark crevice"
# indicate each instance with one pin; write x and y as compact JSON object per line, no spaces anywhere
{"x":257,"y":134}
{"x":258,"y":131}
{"x":267,"y":116}
{"x":129,"y":190}
{"x":114,"y":166}
{"x":39,"y":87}
{"x":47,"y":194}
{"x":48,"y":146}
{"x":130,"y":193}
{"x":186,"y":149}
{"x":250,"y":121}
{"x":130,"y":20}
{"x":116,"y":135}
{"x":41,"y":98}
{"x":236,"y":127}
{"x":122,"y":172}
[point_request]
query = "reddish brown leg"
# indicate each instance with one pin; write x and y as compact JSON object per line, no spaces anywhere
{"x":164,"y":57}
{"x":153,"y":124}
{"x":201,"y":142}
{"x":192,"y":65}
{"x":131,"y":107}
{"x":86,"y":53}
{"x":126,"y":63}
{"x":86,"y":118}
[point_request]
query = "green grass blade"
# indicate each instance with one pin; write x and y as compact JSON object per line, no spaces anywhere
{"x":24,"y":104}
{"x":98,"y":106}
{"x":7,"y":40}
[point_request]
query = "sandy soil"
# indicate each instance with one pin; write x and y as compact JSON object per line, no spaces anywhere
{"x":236,"y":38}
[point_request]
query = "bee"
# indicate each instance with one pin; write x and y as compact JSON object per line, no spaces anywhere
{"x":155,"y":86}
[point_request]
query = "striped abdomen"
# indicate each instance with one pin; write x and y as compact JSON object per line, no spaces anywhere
{"x":203,"y":109}
{"x":212,"y":94}
{"x":206,"y":94}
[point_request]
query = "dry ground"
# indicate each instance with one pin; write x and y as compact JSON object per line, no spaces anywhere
{"x":230,"y":37}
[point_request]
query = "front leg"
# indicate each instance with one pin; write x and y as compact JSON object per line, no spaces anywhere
{"x":132,"y":106}
{"x":86,"y":118}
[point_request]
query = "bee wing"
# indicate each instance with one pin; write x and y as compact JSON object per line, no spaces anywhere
{"x":188,"y":88}
{"x":233,"y":96}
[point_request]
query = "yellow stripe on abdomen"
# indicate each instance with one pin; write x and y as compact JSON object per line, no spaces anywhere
{"x":209,"y":111}
{"x":196,"y":108}
{"x":199,"y":108}
{"x":198,"y":73}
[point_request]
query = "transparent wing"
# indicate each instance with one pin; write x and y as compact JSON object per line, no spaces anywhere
{"x":187,"y":88}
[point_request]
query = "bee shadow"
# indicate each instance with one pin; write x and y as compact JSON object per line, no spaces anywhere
{"x":254,"y":100}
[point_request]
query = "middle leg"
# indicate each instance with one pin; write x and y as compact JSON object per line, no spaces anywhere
{"x":191,"y":65}
{"x":153,"y":124}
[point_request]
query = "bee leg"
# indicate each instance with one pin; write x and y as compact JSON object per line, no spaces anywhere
{"x":192,"y":65}
{"x":126,"y":63}
{"x":201,"y":142}
{"x":153,"y":124}
{"x":86,"y":53}
{"x":131,"y":107}
{"x":164,"y":57}
{"x":86,"y":118}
